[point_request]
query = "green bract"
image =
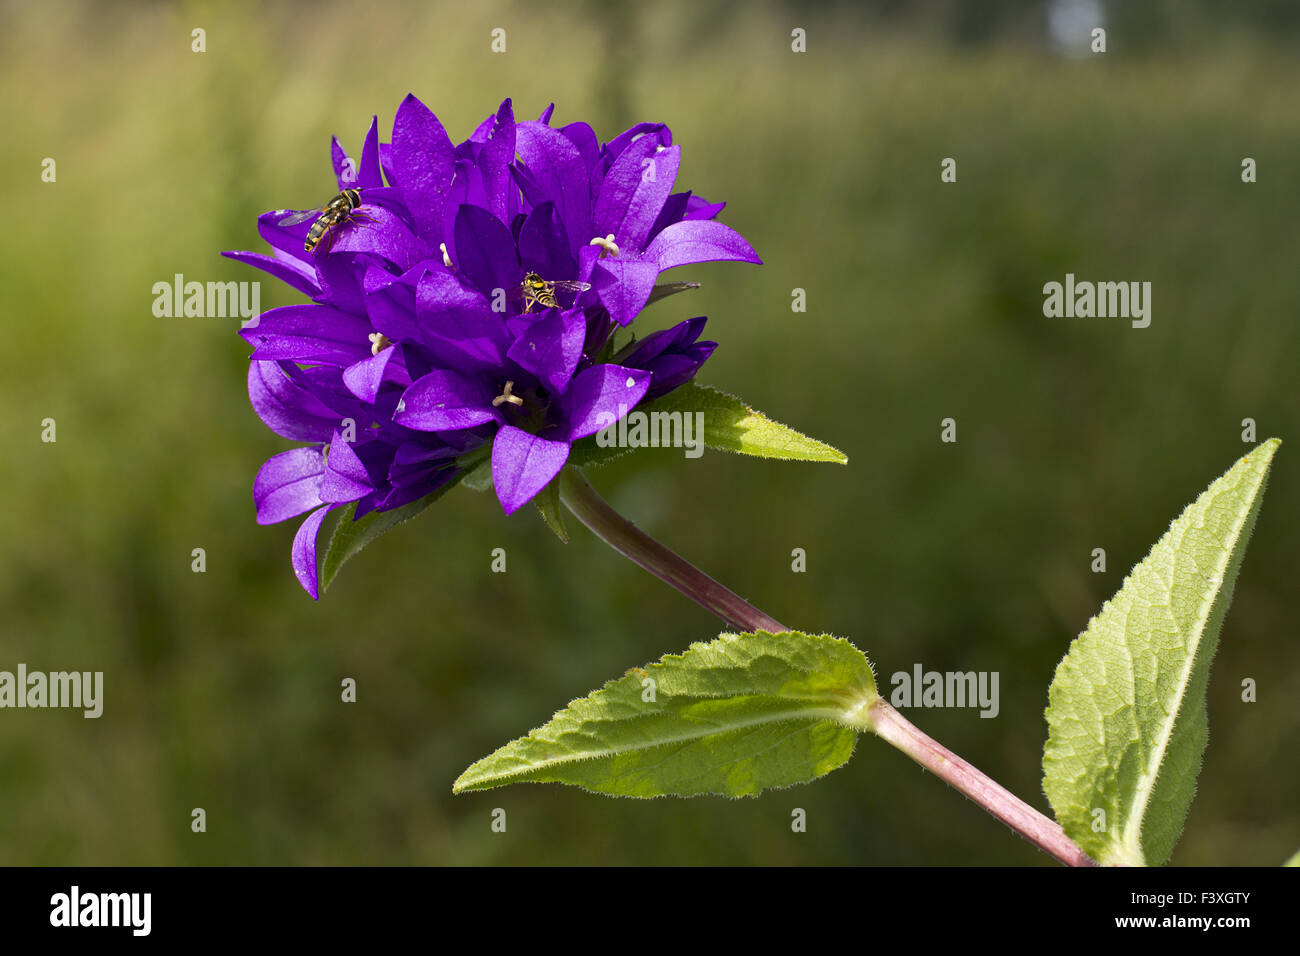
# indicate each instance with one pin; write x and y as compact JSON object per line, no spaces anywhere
{"x":728,"y":425}
{"x":350,"y":536}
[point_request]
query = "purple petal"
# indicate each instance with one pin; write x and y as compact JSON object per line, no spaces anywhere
{"x":698,"y":207}
{"x":470,"y":177}
{"x":672,"y":355}
{"x":369,"y":176}
{"x":656,"y":343}
{"x":634,"y":192}
{"x":286,"y":239}
{"x":310,"y":333}
{"x":380,"y":233}
{"x":659,"y":132}
{"x":684,"y":206}
{"x":588,"y":145}
{"x":344,"y":171}
{"x":415,"y":460}
{"x":534,"y":194}
{"x":364,"y":378}
{"x":390,"y":197}
{"x":498,"y":154}
{"x":676,"y":369}
{"x":588,"y":256}
{"x":443,"y":401}
{"x":295,"y":272}
{"x":623,"y":284}
{"x":303,"y":554}
{"x":524,"y":464}
{"x":419,"y":486}
{"x":288,"y":409}
{"x":480,"y":134}
{"x":486,"y":250}
{"x":423,"y":162}
{"x":551,"y":347}
{"x":340,"y":280}
{"x":345,"y":477}
{"x":698,"y":241}
{"x":457,"y":325}
{"x":544,"y":245}
{"x":288,"y":484}
{"x":600,"y":396}
{"x":326,"y":383}
{"x":557,"y":167}
{"x":390,"y":301}
{"x":674,"y":211}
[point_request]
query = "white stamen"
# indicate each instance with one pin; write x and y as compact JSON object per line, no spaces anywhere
{"x":607,"y":245}
{"x":506,"y":396}
{"x":378,"y":342}
{"x":446,"y":259}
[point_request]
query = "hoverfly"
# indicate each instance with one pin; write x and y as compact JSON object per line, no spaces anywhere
{"x":538,"y":291}
{"x":342,"y":208}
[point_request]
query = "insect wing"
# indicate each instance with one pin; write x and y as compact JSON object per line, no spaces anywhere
{"x":516,"y":297}
{"x":301,"y":216}
{"x":566,"y":293}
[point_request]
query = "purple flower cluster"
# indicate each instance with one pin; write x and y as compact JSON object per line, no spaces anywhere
{"x":470,"y":301}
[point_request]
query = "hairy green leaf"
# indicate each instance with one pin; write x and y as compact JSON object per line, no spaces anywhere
{"x":548,"y":504}
{"x":476,"y":468}
{"x":350,"y":536}
{"x":478,"y":477}
{"x":728,"y":424}
{"x":734,"y":716}
{"x":1126,"y":720}
{"x":665,"y":289}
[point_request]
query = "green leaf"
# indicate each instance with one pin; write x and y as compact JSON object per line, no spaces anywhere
{"x":587,"y":451}
{"x":350,"y":536}
{"x":1294,"y":861}
{"x":734,"y":716}
{"x":664,"y":289}
{"x":479,"y":476}
{"x":548,"y":503}
{"x":728,"y":425}
{"x":1127,"y":721}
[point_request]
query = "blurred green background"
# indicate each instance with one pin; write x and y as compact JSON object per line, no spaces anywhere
{"x":924,"y":301}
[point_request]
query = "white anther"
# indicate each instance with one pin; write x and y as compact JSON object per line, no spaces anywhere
{"x":506,"y":396}
{"x":607,"y":245}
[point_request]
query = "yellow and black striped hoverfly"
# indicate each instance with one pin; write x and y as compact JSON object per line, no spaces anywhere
{"x":339,"y":210}
{"x":538,"y":291}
